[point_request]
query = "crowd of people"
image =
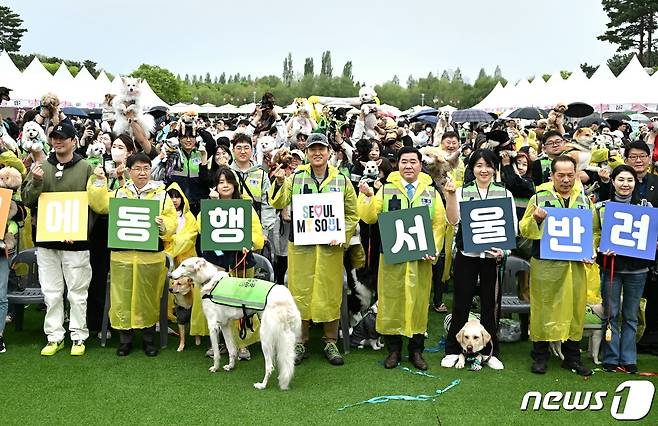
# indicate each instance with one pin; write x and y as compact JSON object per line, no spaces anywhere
{"x":190,"y":159}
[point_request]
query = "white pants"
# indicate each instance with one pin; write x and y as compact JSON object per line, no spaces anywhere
{"x":56,"y":267}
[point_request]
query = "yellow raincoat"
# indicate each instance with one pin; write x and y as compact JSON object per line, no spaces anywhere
{"x":558,"y":289}
{"x":457,"y":176}
{"x":404,"y":289}
{"x":257,"y":242}
{"x":136,"y":277}
{"x":315,"y":273}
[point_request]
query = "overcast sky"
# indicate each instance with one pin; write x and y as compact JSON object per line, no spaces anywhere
{"x":382,"y":39}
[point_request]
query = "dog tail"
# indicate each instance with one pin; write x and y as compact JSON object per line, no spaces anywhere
{"x":286,"y":318}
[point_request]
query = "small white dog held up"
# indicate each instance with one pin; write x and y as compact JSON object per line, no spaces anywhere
{"x":280,"y":322}
{"x":127,"y":106}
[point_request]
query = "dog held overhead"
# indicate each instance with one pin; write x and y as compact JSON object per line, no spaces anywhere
{"x":280,"y":321}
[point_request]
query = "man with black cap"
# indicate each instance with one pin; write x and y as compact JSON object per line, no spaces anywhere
{"x":315,"y":272}
{"x":67,"y":262}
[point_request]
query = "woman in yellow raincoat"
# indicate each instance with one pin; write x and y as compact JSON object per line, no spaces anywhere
{"x":558,"y":289}
{"x":136,"y":277}
{"x":403,"y":289}
{"x":237,"y":263}
{"x":180,"y":246}
{"x":315,"y":272}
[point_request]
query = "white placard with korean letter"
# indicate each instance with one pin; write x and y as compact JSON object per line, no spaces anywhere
{"x":318,"y":218}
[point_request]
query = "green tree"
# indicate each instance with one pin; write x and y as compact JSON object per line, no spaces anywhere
{"x":207,"y":78}
{"x":347,"y":71}
{"x":395,"y":80}
{"x":457,"y":76}
{"x":631,"y":26}
{"x":222,"y":79}
{"x":288,"y":72}
{"x":445,"y":75}
{"x":326,"y":68}
{"x":11,"y":30}
{"x":497,"y":72}
{"x":618,"y":62}
{"x":161,"y":80}
{"x":588,"y":69}
{"x":308,"y":67}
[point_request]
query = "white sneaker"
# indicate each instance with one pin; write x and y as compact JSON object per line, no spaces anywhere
{"x":108,"y":335}
{"x":244,"y":354}
{"x":449,"y":361}
{"x":495,"y":363}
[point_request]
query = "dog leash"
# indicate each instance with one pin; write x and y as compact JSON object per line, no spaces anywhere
{"x":439,"y":346}
{"x":409,"y":370}
{"x":386,"y":398}
{"x":608,"y":327}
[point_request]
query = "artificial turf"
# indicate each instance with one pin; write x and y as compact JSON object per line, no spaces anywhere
{"x":176,"y":388}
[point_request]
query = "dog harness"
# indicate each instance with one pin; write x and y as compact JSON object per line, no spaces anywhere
{"x":245,"y":293}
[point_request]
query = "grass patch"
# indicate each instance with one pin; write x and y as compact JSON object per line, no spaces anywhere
{"x":176,"y":388}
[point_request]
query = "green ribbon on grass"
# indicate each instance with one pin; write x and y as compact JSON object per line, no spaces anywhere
{"x":387,"y":398}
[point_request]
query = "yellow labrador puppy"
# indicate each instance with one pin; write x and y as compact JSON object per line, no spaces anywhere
{"x":472,"y":338}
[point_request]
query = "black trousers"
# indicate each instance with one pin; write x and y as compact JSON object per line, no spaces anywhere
{"x":280,"y":268}
{"x":99,"y":260}
{"x":394,"y":343}
{"x":570,"y":350}
{"x":467,"y":271}
{"x":148,"y":335}
{"x":437,"y":284}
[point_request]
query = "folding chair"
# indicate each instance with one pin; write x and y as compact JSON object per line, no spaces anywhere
{"x":26,"y":289}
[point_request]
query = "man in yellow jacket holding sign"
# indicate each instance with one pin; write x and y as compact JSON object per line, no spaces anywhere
{"x":404,"y":288}
{"x":315,"y":272}
{"x":136,"y":276}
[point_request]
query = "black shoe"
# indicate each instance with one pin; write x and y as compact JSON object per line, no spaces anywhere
{"x":124,"y":349}
{"x":392,"y":360}
{"x":417,"y":360}
{"x":577,"y":367}
{"x":150,"y":349}
{"x":630,"y":368}
{"x":3,"y":348}
{"x":610,"y":368}
{"x":332,"y":354}
{"x":539,"y":366}
{"x":300,"y":353}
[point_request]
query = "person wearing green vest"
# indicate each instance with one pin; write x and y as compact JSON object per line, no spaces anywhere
{"x":315,"y":272}
{"x":553,"y":145}
{"x":558,"y":289}
{"x":403,"y":289}
{"x":187,"y":175}
{"x":475,"y":270}
{"x":253,"y":181}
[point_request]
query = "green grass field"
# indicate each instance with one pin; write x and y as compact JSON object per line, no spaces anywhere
{"x":176,"y":388}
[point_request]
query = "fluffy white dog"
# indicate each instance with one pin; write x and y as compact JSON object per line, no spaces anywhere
{"x":280,"y":322}
{"x":127,"y":106}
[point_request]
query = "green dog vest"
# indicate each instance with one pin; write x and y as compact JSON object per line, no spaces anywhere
{"x":246,"y":293}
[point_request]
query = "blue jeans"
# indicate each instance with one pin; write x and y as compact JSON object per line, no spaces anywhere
{"x":621,"y":350}
{"x":4,"y":277}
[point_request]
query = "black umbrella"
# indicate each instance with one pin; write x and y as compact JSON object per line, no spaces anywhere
{"x":528,"y":113}
{"x":422,"y":115}
{"x":578,"y":110}
{"x":618,"y":116}
{"x":471,"y":116}
{"x":74,"y":112}
{"x":158,"y":111}
{"x":588,"y":121}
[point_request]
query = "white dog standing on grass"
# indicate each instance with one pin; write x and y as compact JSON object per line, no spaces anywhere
{"x":280,"y":322}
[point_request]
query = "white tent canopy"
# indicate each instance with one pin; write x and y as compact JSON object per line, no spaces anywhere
{"x":633,"y":90}
{"x":83,"y":91}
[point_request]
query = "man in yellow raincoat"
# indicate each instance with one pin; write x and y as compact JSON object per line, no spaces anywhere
{"x":315,"y":272}
{"x":558,"y":289}
{"x":404,"y":289}
{"x":136,"y":277}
